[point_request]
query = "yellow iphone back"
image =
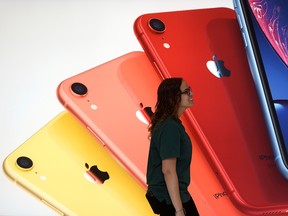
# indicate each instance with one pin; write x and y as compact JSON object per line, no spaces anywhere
{"x":67,"y":168}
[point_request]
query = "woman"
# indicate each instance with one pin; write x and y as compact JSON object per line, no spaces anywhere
{"x":168,"y":170}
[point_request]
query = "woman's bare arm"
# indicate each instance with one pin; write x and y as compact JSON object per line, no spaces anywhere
{"x":171,"y":179}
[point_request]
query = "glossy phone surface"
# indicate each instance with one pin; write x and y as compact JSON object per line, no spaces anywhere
{"x":108,"y":111}
{"x":206,"y":49}
{"x":265,"y":30}
{"x":63,"y":152}
{"x":205,"y":188}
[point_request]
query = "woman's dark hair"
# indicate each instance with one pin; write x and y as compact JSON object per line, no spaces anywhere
{"x":168,"y":100}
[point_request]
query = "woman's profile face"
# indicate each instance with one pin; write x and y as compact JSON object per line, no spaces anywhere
{"x":186,"y":96}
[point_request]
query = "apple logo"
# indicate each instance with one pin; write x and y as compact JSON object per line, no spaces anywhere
{"x":217,"y":68}
{"x":144,"y":115}
{"x":94,"y":175}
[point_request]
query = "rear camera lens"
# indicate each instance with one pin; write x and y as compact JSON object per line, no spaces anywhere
{"x":24,"y":162}
{"x":157,"y":25}
{"x":79,"y":88}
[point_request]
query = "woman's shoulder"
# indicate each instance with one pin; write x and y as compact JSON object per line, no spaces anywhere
{"x":168,"y":125}
{"x":170,"y":122}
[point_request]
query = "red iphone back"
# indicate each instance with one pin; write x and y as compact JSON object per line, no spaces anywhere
{"x":141,"y":81}
{"x":206,"y":49}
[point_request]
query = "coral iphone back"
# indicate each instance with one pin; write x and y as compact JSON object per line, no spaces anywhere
{"x":99,"y":100}
{"x":206,"y":49}
{"x":67,"y":168}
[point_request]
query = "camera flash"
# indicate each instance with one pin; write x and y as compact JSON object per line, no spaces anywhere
{"x":166,"y":45}
{"x":43,"y":178}
{"x":93,"y":106}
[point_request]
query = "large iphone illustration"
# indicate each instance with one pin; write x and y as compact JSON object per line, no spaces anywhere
{"x":205,"y":188}
{"x":101,"y":103}
{"x":264,"y":25}
{"x":206,"y":49}
{"x":67,"y":168}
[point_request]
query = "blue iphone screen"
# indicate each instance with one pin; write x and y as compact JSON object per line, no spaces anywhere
{"x":270,"y":22}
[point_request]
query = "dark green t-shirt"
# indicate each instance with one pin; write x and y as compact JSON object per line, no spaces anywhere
{"x":169,"y":140}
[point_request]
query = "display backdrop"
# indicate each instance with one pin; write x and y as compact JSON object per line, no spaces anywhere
{"x":44,"y":42}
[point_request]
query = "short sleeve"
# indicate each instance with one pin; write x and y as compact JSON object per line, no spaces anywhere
{"x":169,"y":141}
